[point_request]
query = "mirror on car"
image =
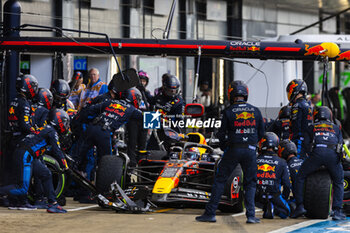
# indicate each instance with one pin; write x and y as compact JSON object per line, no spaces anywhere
{"x":194,"y":109}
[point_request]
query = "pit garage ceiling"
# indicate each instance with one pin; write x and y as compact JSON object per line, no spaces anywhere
{"x":328,"y":6}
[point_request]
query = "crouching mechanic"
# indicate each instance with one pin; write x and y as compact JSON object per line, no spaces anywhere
{"x":271,"y":174}
{"x":327,"y":139}
{"x":287,"y":150}
{"x":28,"y":160}
{"x":242,"y":127}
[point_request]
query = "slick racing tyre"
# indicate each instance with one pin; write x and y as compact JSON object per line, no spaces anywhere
{"x":318,"y":194}
{"x":234,"y":192}
{"x":58,"y":179}
{"x":110,"y":169}
{"x":346,"y":185}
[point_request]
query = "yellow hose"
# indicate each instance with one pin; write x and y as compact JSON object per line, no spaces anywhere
{"x":346,"y":149}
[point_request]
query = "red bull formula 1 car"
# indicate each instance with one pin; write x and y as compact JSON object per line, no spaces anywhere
{"x":181,"y":177}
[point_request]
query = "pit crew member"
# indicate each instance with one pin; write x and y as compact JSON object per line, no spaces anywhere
{"x":27,"y":160}
{"x":241,"y":128}
{"x":272,"y":173}
{"x":137,"y":135}
{"x":288,"y":151}
{"x":327,"y":143}
{"x":20,"y":110}
{"x":108,"y":117}
{"x":60,"y":90}
{"x":301,"y":116}
{"x":281,"y":126}
{"x":169,"y":101}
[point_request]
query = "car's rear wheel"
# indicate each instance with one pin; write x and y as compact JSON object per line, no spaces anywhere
{"x":110,"y":169}
{"x":318,"y":194}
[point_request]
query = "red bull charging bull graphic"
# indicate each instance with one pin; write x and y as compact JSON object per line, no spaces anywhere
{"x":116,"y":108}
{"x":266,"y":168}
{"x":344,"y":56}
{"x":245,"y":115}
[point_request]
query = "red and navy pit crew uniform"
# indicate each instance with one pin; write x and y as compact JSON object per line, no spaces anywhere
{"x":79,"y":129}
{"x":294,"y":165}
{"x":300,"y":122}
{"x":108,"y":117}
{"x":40,"y":115}
{"x":241,"y":128}
{"x":281,"y":128}
{"x":20,"y":119}
{"x":326,"y":136}
{"x":272,"y":173}
{"x":27,"y":162}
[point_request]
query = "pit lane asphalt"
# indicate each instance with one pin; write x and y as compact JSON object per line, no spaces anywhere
{"x":91,"y":218}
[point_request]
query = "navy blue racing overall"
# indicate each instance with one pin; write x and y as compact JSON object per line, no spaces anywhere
{"x":326,"y":137}
{"x":20,"y":119}
{"x":281,"y":128}
{"x":301,"y":120}
{"x":294,"y":165}
{"x":241,"y":128}
{"x":272,"y":173}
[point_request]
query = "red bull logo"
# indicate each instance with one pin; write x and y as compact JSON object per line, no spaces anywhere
{"x":245,"y":115}
{"x":266,"y":168}
{"x":12,"y":110}
{"x":323,"y":126}
{"x":253,"y":48}
{"x":344,"y":56}
{"x":314,"y":50}
{"x":328,"y":49}
{"x":118,"y":106}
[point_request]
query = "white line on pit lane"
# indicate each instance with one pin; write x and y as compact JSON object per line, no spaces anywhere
{"x":298,"y":226}
{"x":82,"y":208}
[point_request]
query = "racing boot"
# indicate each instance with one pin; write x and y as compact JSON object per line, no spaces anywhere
{"x":338,"y":215}
{"x":55,"y":208}
{"x":253,"y":220}
{"x":299,"y":211}
{"x":206,"y":218}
